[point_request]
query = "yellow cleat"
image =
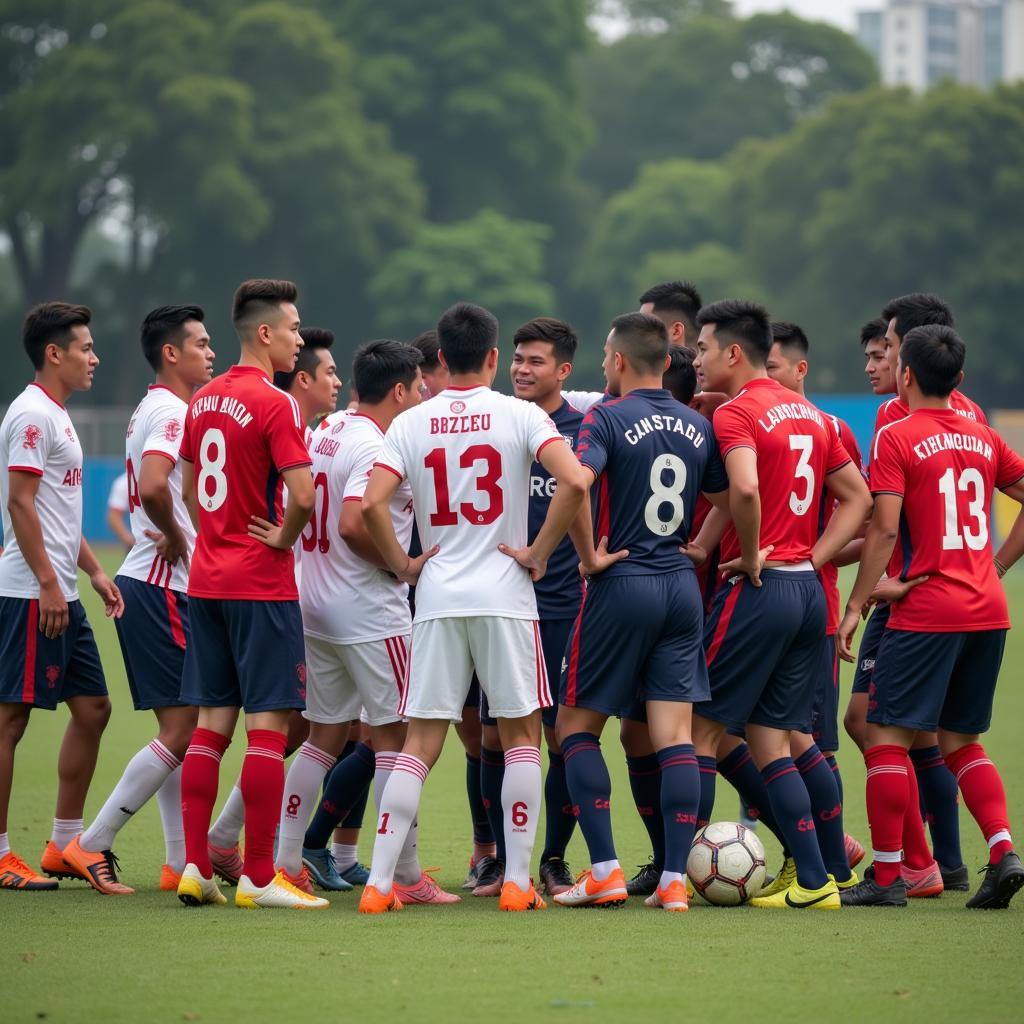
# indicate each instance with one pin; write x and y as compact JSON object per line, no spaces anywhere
{"x":782,"y":881}
{"x":849,"y":883}
{"x":194,"y":890}
{"x":278,"y":892}
{"x":796,"y":897}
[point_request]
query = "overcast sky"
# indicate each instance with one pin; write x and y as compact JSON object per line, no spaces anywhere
{"x":840,"y":12}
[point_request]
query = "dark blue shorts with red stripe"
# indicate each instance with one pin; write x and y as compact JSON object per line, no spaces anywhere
{"x":153,"y":633}
{"x":42,"y":672}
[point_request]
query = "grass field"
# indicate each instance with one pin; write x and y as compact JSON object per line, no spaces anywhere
{"x":76,"y":956}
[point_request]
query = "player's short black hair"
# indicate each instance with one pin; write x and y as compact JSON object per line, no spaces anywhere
{"x":680,"y":378}
{"x":308,"y":360}
{"x":165,"y":326}
{"x":379,"y":365}
{"x":546,"y":328}
{"x":428,"y":348}
{"x":259,"y":298}
{"x":743,"y":323}
{"x":465,"y":334}
{"x":51,"y":323}
{"x":680,"y":297}
{"x":935,"y":354}
{"x":916,"y":310}
{"x":642,"y":339}
{"x":873,"y":330}
{"x":790,"y":337}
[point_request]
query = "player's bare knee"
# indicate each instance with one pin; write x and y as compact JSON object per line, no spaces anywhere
{"x":13,"y":722}
{"x":90,"y":714}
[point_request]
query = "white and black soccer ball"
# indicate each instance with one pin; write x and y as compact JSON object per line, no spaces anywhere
{"x":726,"y":863}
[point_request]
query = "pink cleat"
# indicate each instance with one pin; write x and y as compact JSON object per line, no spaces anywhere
{"x":426,"y":890}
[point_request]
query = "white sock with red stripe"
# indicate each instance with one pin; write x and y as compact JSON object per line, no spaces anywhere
{"x":146,"y":772}
{"x":398,"y":802}
{"x":228,"y":826}
{"x":168,"y":798}
{"x":520,"y":798}
{"x":5,"y":846}
{"x":407,"y":870}
{"x":301,"y":789}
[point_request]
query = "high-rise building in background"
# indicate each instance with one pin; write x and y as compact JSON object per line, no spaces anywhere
{"x":920,"y":42}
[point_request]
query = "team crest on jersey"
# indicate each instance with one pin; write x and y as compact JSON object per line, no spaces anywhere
{"x":52,"y":675}
{"x":457,"y":407}
{"x":338,"y":427}
{"x":31,"y":435}
{"x":172,"y":428}
{"x":70,"y":434}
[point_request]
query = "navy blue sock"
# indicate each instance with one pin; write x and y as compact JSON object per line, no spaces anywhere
{"x":492,"y":774}
{"x":708,"y":769}
{"x":354,"y":818}
{"x":347,"y":784}
{"x":482,"y":834}
{"x":830,"y":760}
{"x":827,"y":809}
{"x":937,"y":786}
{"x":680,"y":795}
{"x":792,"y":809}
{"x":591,"y":789}
{"x":559,"y":820}
{"x":739,"y":768}
{"x":648,"y":795}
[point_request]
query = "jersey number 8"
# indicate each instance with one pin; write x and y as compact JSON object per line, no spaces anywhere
{"x":662,"y":494}
{"x":213,"y":453}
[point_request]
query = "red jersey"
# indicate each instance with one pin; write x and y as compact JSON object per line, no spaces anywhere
{"x":797,"y":447}
{"x":242,"y":433}
{"x":945,"y":467}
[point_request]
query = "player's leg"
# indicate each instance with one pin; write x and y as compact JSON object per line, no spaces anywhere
{"x":490,"y":871}
{"x":176,"y":726}
{"x":940,"y":808}
{"x":345,"y":838}
{"x":225,"y":850}
{"x":469,"y":733}
{"x":14,"y":872}
{"x":644,"y":775}
{"x":855,"y":719}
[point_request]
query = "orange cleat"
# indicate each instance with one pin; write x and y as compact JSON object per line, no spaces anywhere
{"x":923,"y":883}
{"x":16,"y":874}
{"x":169,"y":879}
{"x":515,"y":899}
{"x":425,"y":890}
{"x":373,"y":901}
{"x":98,"y":869}
{"x":589,"y":892}
{"x":226,"y":862}
{"x":673,"y":897}
{"x":854,"y":851}
{"x":301,"y":881}
{"x":53,"y":864}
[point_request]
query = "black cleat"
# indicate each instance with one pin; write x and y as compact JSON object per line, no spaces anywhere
{"x":645,"y":881}
{"x":955,"y":879}
{"x":869,"y":893}
{"x":999,"y":885}
{"x":555,"y":876}
{"x":490,"y":876}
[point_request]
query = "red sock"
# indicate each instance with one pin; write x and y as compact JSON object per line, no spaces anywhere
{"x":983,"y":792}
{"x":262,"y":786}
{"x":917,"y":855}
{"x":200,"y":773}
{"x":887,"y":796}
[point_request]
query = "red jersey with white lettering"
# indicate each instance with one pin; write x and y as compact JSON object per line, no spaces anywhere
{"x":242,"y":433}
{"x":945,"y":467}
{"x":896,"y":409}
{"x":796,"y":449}
{"x":467,"y":454}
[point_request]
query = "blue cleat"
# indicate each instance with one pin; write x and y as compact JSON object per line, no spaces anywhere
{"x":320,"y":865}
{"x":356,"y":874}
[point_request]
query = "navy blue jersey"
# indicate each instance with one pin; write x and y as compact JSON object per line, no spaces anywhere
{"x":652,"y":457}
{"x":560,"y":591}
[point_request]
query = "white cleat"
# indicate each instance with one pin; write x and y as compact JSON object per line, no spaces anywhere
{"x":194,"y":890}
{"x":279,"y":892}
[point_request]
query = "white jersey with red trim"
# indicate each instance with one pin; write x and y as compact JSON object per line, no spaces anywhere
{"x":344,"y":598}
{"x":37,"y":436}
{"x":155,"y":429}
{"x":467,"y":454}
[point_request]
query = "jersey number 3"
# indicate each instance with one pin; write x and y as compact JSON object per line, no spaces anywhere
{"x":486,"y":483}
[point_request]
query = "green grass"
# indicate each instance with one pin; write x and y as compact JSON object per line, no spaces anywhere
{"x":76,"y":956}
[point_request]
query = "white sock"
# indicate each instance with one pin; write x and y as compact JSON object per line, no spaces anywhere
{"x":344,"y":855}
{"x":668,"y":877}
{"x":145,"y":773}
{"x":301,"y":789}
{"x":399,"y":803}
{"x":228,"y":827}
{"x":168,"y":798}
{"x":602,"y":869}
{"x":64,"y":830}
{"x":520,"y":798}
{"x":5,"y":846}
{"x":407,"y":870}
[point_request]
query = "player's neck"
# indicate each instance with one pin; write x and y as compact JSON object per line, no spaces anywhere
{"x":179,"y":387}
{"x":306,"y":409}
{"x":51,"y":384}
{"x":636,"y":381}
{"x":915,"y":401}
{"x":551,"y":403}
{"x":469,"y":380}
{"x":742,"y":376}
{"x":257,"y":358}
{"x":382,"y":414}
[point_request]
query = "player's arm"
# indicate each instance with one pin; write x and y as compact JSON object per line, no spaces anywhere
{"x":21,"y":505}
{"x":301,"y":501}
{"x":1012,"y":548}
{"x":710,"y":534}
{"x":113,"y":604}
{"x":376,"y":509}
{"x":745,"y":509}
{"x":853,"y":506}
{"x":188,"y":492}
{"x":115,"y":520}
{"x":354,"y":532}
{"x":158,"y":503}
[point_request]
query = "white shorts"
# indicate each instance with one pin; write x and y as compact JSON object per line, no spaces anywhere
{"x":506,"y":654}
{"x":341,"y":679}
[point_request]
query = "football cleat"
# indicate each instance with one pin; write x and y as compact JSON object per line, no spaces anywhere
{"x":469,"y":882}
{"x":782,"y":881}
{"x":226,"y":861}
{"x":53,"y":864}
{"x":16,"y":874}
{"x":589,"y":892}
{"x":355,"y":874}
{"x":98,"y":869}
{"x":278,"y":892}
{"x":955,"y":879}
{"x":425,"y":890}
{"x":870,"y":894}
{"x":373,"y":901}
{"x":796,"y":897}
{"x":1000,"y":884}
{"x":674,"y":897}
{"x":490,"y":877}
{"x":301,"y":881}
{"x":645,"y":881}
{"x":848,"y":884}
{"x":923,"y":883}
{"x":555,"y":876}
{"x":194,"y":890}
{"x":322,"y":869}
{"x":854,"y":851}
{"x":169,"y":879}
{"x":515,"y":899}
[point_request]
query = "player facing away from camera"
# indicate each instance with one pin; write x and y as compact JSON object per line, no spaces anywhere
{"x":467,"y":455}
{"x":763,"y":636}
{"x":638,"y":633}
{"x":676,"y":304}
{"x":154,"y":629}
{"x":48,"y":651}
{"x":243,"y":440}
{"x":932,"y":474}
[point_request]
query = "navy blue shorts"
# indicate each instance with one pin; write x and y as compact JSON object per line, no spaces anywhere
{"x":874,"y":630}
{"x":153,"y":633}
{"x":763,"y":646}
{"x":245,"y":654}
{"x":927,"y":681}
{"x":825,"y":709}
{"x":474,"y":695}
{"x":636,"y":638}
{"x":42,"y":672}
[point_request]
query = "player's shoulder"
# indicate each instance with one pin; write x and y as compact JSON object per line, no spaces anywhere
{"x":894,"y":434}
{"x":35,"y":405}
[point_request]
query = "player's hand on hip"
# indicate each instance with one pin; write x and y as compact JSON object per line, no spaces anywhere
{"x":889,"y":591}
{"x":602,"y":559}
{"x":108,"y":590}
{"x":694,"y":552}
{"x":845,"y":634}
{"x":411,"y":573}
{"x":264,"y":530}
{"x":170,"y":549}
{"x":53,"y":611}
{"x":527,"y":559}
{"x":738,"y":567}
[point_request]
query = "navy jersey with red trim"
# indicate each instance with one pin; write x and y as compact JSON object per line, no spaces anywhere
{"x":560,"y":590}
{"x":651,"y":457}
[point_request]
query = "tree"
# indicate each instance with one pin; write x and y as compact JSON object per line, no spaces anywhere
{"x":654,"y":16}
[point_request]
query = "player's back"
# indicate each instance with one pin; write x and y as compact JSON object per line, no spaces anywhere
{"x":896,"y":409}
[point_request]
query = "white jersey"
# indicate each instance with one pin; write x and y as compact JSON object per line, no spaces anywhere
{"x":307,"y":436}
{"x":467,"y":453}
{"x":37,"y":436}
{"x":584,"y":400}
{"x":155,"y":429}
{"x":344,"y":598}
{"x":117,"y":499}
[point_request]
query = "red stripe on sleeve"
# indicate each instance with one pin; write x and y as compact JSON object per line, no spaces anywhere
{"x":25,"y":469}
{"x":390,"y":469}
{"x":156,"y":451}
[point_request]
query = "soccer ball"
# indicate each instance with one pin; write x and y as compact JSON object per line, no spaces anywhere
{"x":726,"y":864}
